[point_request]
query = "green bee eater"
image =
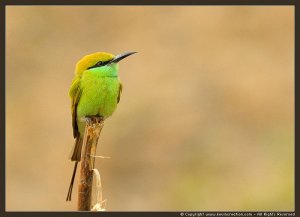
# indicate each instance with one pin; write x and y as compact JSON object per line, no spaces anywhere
{"x":95,"y":91}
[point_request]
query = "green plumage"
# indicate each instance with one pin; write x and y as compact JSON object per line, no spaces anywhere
{"x":98,"y":96}
{"x":95,"y":91}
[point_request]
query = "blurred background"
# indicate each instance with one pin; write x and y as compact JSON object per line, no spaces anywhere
{"x":206,"y":117}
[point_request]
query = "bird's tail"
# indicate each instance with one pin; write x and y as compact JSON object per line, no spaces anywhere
{"x":75,"y":155}
{"x":72,"y":182}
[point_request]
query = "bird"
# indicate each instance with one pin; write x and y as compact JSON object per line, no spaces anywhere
{"x":95,"y":91}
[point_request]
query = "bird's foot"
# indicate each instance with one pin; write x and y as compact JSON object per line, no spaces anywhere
{"x":92,"y":119}
{"x":88,"y":120}
{"x":98,"y":119}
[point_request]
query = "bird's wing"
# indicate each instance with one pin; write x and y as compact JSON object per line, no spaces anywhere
{"x":120,"y":91}
{"x":75,"y":93}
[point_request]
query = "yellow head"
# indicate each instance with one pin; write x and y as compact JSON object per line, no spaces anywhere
{"x":91,"y":60}
{"x":98,"y":59}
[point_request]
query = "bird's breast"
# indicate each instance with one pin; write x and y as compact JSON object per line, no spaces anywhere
{"x":99,"y":95}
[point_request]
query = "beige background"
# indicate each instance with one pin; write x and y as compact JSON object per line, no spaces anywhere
{"x":206,"y":118}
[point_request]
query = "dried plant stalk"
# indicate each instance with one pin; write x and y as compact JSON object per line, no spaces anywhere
{"x":91,"y":135}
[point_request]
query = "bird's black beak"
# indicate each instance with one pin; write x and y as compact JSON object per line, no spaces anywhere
{"x":119,"y":57}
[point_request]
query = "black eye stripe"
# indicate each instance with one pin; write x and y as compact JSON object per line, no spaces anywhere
{"x":99,"y":64}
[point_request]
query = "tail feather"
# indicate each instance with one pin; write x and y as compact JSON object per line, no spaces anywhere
{"x":72,"y":182}
{"x":75,"y":155}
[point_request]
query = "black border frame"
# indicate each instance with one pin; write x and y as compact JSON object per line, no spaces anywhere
{"x":5,"y":3}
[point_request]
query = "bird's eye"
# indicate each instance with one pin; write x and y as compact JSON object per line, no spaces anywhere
{"x":100,"y":63}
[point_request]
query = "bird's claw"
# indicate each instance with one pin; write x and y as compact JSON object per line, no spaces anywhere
{"x":88,"y":120}
{"x":93,"y":119}
{"x":98,"y":119}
